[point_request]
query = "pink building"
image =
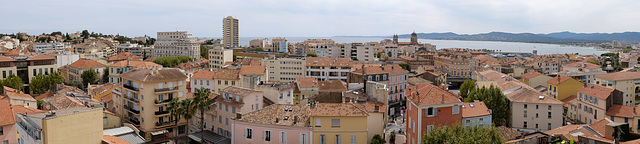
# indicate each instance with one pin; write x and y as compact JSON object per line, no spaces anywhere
{"x":277,"y":123}
{"x":8,"y":132}
{"x":233,"y":101}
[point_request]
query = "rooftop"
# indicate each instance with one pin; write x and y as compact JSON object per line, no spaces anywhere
{"x":6,"y":113}
{"x":85,"y":63}
{"x":388,"y":69}
{"x":621,"y":111}
{"x":328,"y":62}
{"x":307,"y":82}
{"x":229,"y":74}
{"x":474,"y":109}
{"x":338,"y":109}
{"x":597,"y":91}
{"x":427,"y":94}
{"x":253,"y":70}
{"x":286,"y":115}
{"x":331,"y":86}
{"x":558,"y":79}
{"x":626,"y":75}
{"x":64,"y":112}
{"x":530,"y":75}
{"x":135,"y":64}
{"x":238,"y":91}
{"x":203,"y":74}
{"x":147,"y":75}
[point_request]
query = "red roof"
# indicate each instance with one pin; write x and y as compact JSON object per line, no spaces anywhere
{"x":427,"y":94}
{"x":85,"y":63}
{"x":530,"y":75}
{"x":597,"y":91}
{"x":203,"y":74}
{"x":6,"y":113}
{"x":621,"y":111}
{"x":41,"y":57}
{"x":559,"y":79}
{"x":474,"y":109}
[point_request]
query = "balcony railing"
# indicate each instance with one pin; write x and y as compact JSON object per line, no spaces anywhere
{"x":130,"y":87}
{"x":161,"y":112}
{"x":134,"y":121}
{"x":134,"y":99}
{"x":164,"y":123}
{"x":132,"y":110}
{"x":164,"y":101}
{"x":167,"y":89}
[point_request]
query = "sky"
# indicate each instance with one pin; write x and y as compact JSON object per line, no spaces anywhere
{"x":319,"y":18}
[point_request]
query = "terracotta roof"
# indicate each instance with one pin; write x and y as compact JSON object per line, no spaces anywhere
{"x":6,"y":113}
{"x":253,"y":70}
{"x":529,"y":95}
{"x":478,"y":109}
{"x":123,"y":56}
{"x":564,"y":129}
{"x":338,"y":109}
{"x":571,"y":100}
{"x":597,"y":91}
{"x":328,"y":62}
{"x":389,"y":69}
{"x":559,"y":79}
{"x":135,"y":64}
{"x":370,"y":106}
{"x":107,"y":97}
{"x":285,"y":115}
{"x":103,"y":87}
{"x":306,"y":82}
{"x":228,"y":74}
{"x":530,"y":75}
{"x":417,"y":81}
{"x":491,"y":74}
{"x":620,"y":75}
{"x":427,"y":94}
{"x":5,"y":59}
{"x":147,"y":75}
{"x":600,"y":126}
{"x":238,"y":91}
{"x":507,"y":133}
{"x":41,"y":57}
{"x":202,"y":62}
{"x":331,"y":86}
{"x":16,"y":94}
{"x":107,"y":139}
{"x":204,"y":74}
{"x":621,"y":111}
{"x":584,"y":65}
{"x":86,"y":63}
{"x":65,"y":102}
{"x":25,"y":110}
{"x":249,"y":61}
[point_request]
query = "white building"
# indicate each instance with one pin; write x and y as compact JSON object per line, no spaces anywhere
{"x":66,"y":59}
{"x":136,"y":49}
{"x":178,"y":43}
{"x":326,"y":69}
{"x":218,"y":56}
{"x":44,"y":47}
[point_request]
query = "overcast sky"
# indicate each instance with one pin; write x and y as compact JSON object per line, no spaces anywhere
{"x":319,"y":18}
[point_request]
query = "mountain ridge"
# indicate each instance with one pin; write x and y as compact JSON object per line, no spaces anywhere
{"x":556,"y":37}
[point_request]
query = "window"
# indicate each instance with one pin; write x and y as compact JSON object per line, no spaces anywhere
{"x":283,"y":137}
{"x":549,"y":107}
{"x":525,"y":125}
{"x":525,"y":113}
{"x":429,"y":128}
{"x":456,"y":109}
{"x":525,"y":106}
{"x":267,"y":135}
{"x":180,"y":83}
{"x":335,"y":122}
{"x":233,"y":110}
{"x":549,"y":115}
{"x":219,"y":119}
{"x":318,"y":122}
{"x":248,"y":133}
{"x":303,"y":138}
{"x":537,"y":106}
{"x":354,"y":139}
{"x":338,"y":139}
{"x":323,"y":139}
{"x":548,"y":126}
{"x":1,"y":131}
{"x":431,"y":112}
{"x":104,"y":121}
{"x":626,"y":120}
{"x":226,"y":121}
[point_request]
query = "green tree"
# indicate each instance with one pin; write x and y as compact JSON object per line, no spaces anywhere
{"x":14,"y":82}
{"x":388,"y":54}
{"x":85,"y":34}
{"x":259,"y":49}
{"x":76,"y":83}
{"x":89,"y":77}
{"x":494,"y":100}
{"x":204,"y":52}
{"x":39,"y":103}
{"x":466,"y":87}
{"x":377,"y":139}
{"x":202,"y":103}
{"x":176,"y":112}
{"x":189,"y":110}
{"x":172,"y":61}
{"x":38,"y":84}
{"x":392,"y":138}
{"x":105,"y":75}
{"x":312,"y":55}
{"x":405,"y":66}
{"x":458,"y":134}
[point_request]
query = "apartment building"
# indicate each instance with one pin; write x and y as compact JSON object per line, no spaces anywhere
{"x":393,"y":75}
{"x":476,"y":114}
{"x":146,"y":94}
{"x":594,"y":101}
{"x":178,"y":43}
{"x":120,"y":67}
{"x":230,"y":32}
{"x":625,"y":114}
{"x":535,"y":79}
{"x":626,"y":81}
{"x":429,"y":106}
{"x":19,"y":98}
{"x":53,"y":46}
{"x":64,"y":126}
{"x":561,"y":87}
{"x":457,"y":65}
{"x":259,"y":43}
{"x":136,"y":49}
{"x":95,"y":47}
{"x":123,"y":56}
{"x":284,"y":69}
{"x":279,"y":123}
{"x":306,"y":88}
{"x":325,"y":69}
{"x":278,"y":92}
{"x":77,"y":68}
{"x":218,"y":56}
{"x":582,"y":71}
{"x":203,"y":79}
{"x":27,"y":67}
{"x":338,"y":123}
{"x":234,"y":101}
{"x":278,"y":45}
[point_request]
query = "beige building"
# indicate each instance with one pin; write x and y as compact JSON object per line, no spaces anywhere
{"x":258,"y":43}
{"x":65,"y":126}
{"x":326,"y":69}
{"x":120,"y":67}
{"x":17,"y":97}
{"x":278,"y":92}
{"x":218,"y":56}
{"x":278,"y":45}
{"x":178,"y":43}
{"x":305,"y":88}
{"x":284,"y":69}
{"x":27,"y":67}
{"x":77,"y":68}
{"x":594,"y":101}
{"x":582,"y":71}
{"x":230,"y":31}
{"x":146,"y":94}
{"x":535,"y":79}
{"x":626,"y":81}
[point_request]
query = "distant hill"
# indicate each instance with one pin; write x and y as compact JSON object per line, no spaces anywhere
{"x":625,"y":37}
{"x":522,"y":37}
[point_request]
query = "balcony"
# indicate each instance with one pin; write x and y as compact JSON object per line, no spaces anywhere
{"x":134,"y":121}
{"x":165,"y":123}
{"x":132,"y":110}
{"x":133,"y":99}
{"x":161,"y":112}
{"x":158,"y":102}
{"x":130,"y":87}
{"x":166,"y":89}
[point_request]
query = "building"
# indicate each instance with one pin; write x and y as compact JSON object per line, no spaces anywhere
{"x":159,"y":86}
{"x":203,"y":79}
{"x":99,"y":91}
{"x":53,"y":46}
{"x":27,"y":67}
{"x":284,"y":69}
{"x":475,"y":114}
{"x":277,"y":123}
{"x":234,"y":101}
{"x":178,"y":43}
{"x":17,"y":97}
{"x":377,"y":119}
{"x":120,"y":67}
{"x":230,"y":32}
{"x":77,"y":68}
{"x":278,"y":45}
{"x":535,"y":79}
{"x":95,"y":47}
{"x":307,"y":87}
{"x":393,"y":75}
{"x":218,"y":56}
{"x":123,"y":56}
{"x":582,"y":71}
{"x":338,"y":123}
{"x":626,"y":81}
{"x":259,"y":43}
{"x":595,"y":100}
{"x":136,"y":49}
{"x":64,"y":126}
{"x":124,"y":133}
{"x":571,"y":109}
{"x":7,"y":122}
{"x":278,"y":92}
{"x":561,"y":87}
{"x":429,"y":106}
{"x":600,"y":132}
{"x":324,"y":69}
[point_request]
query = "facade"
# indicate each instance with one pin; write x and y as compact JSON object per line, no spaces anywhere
{"x":625,"y":114}
{"x":95,"y":47}
{"x":53,"y":46}
{"x":178,"y":43}
{"x":99,"y":91}
{"x":27,"y":67}
{"x":120,"y":67}
{"x":235,"y":100}
{"x":203,"y":79}
{"x":325,"y":69}
{"x":276,"y":123}
{"x":77,"y":68}
{"x":75,"y":125}
{"x":230,"y":32}
{"x":582,"y":71}
{"x":218,"y":56}
{"x":594,"y":101}
{"x":475,"y":114}
{"x":535,"y":79}
{"x":429,"y":106}
{"x":561,"y":87}
{"x":123,"y":56}
{"x":136,"y":49}
{"x":307,"y":87}
{"x":19,"y":98}
{"x":395,"y":77}
{"x":277,"y":92}
{"x":338,"y":123}
{"x":146,"y":94}
{"x":284,"y":69}
{"x":278,"y":45}
{"x":258,"y":43}
{"x":626,"y":81}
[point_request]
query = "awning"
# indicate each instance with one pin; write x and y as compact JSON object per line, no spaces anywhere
{"x":159,"y":132}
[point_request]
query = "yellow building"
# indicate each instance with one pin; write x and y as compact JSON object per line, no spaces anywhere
{"x":111,"y":120}
{"x":561,"y":87}
{"x":305,"y":88}
{"x":65,"y":126}
{"x":339,"y":123}
{"x":99,"y":91}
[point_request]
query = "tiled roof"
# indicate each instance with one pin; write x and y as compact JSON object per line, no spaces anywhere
{"x":6,"y":113}
{"x":530,"y":95}
{"x":597,"y":91}
{"x":16,"y":94}
{"x":103,"y":87}
{"x":571,"y":100}
{"x":65,"y":102}
{"x":331,"y":86}
{"x":491,"y":74}
{"x":135,"y":64}
{"x":25,"y":110}
{"x":564,"y":129}
{"x":107,"y":97}
{"x":328,"y":62}
{"x":621,"y":111}
{"x":147,"y":75}
{"x":507,"y":133}
{"x":427,"y":94}
{"x":478,"y":109}
{"x":228,"y":74}
{"x":417,"y":81}
{"x":584,"y":65}
{"x":306,"y":82}
{"x":286,"y":115}
{"x":370,"y":106}
{"x":123,"y":56}
{"x":559,"y":79}
{"x":253,"y":70}
{"x":389,"y":69}
{"x":107,"y":139}
{"x":238,"y":91}
{"x":204,"y":74}
{"x":530,"y":75}
{"x":202,"y":62}
{"x":620,"y":75}
{"x":338,"y":109}
{"x":86,"y":63}
{"x":41,"y":57}
{"x":5,"y":59}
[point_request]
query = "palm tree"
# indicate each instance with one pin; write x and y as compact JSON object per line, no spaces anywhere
{"x":203,"y":103}
{"x":176,"y":112}
{"x":188,"y":111}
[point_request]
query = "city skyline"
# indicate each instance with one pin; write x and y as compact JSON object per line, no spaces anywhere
{"x":322,"y":19}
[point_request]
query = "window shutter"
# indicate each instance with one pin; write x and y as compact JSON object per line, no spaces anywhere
{"x":435,"y":111}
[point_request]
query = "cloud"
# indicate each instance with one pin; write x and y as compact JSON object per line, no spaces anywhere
{"x":290,"y":18}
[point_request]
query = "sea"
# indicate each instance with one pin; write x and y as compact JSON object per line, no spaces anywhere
{"x":542,"y":49}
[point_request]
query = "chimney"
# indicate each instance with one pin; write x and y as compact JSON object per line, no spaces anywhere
{"x":295,"y":119}
{"x":238,"y":116}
